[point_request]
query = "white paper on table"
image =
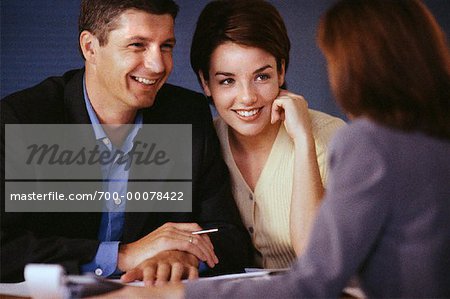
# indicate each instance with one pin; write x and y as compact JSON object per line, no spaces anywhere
{"x":218,"y":277}
{"x":270,"y":270}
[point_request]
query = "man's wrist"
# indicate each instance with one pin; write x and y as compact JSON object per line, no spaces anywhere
{"x":123,"y":257}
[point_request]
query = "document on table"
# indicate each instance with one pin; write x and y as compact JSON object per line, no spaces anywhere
{"x":237,"y":276}
{"x":249,"y":273}
{"x":21,"y":289}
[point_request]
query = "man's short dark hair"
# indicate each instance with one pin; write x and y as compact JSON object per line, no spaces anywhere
{"x":99,"y":16}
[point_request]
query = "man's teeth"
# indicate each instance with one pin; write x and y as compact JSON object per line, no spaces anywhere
{"x":247,"y":113}
{"x":144,"y":81}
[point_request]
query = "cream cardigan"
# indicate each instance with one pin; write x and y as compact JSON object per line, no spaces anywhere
{"x":265,"y":212}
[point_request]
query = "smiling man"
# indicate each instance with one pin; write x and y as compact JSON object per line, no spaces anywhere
{"x":127,"y":48}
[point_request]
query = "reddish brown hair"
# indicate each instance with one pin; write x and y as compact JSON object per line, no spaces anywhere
{"x":390,"y":61}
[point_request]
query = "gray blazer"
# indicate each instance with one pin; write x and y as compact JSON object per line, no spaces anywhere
{"x":385,"y":218}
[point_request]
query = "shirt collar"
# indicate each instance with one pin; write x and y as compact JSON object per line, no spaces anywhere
{"x":98,"y":129}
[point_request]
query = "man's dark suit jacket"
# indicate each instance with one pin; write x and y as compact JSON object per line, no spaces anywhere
{"x":70,"y":239}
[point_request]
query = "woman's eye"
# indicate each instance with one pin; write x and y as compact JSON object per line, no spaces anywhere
{"x":228,"y":81}
{"x":262,"y":77}
{"x":167,"y":47}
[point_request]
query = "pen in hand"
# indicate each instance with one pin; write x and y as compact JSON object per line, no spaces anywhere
{"x":205,"y":231}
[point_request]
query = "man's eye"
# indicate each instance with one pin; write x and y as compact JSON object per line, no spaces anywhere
{"x":227,"y":81}
{"x":137,"y":45}
{"x":262,"y":77}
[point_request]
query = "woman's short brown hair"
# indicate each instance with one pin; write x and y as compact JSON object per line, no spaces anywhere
{"x":253,"y":23}
{"x":390,"y":61}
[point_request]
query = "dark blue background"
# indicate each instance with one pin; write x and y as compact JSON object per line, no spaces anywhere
{"x":39,"y":38}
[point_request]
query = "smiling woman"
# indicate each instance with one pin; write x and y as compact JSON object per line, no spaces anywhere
{"x":274,"y":146}
{"x":243,"y":83}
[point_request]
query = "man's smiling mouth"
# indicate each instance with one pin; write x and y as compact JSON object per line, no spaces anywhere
{"x":143,"y":80}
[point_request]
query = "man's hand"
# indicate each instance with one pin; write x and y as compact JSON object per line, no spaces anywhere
{"x":170,"y":236}
{"x":166,"y":266}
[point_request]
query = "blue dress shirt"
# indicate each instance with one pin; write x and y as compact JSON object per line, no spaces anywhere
{"x":115,"y":181}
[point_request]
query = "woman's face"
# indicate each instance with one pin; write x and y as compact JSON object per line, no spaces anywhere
{"x":243,"y":82}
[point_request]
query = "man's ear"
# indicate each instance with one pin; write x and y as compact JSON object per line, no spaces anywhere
{"x":88,"y":44}
{"x":282,"y":73}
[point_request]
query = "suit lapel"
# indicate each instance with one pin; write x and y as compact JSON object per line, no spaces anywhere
{"x":75,"y":112}
{"x":75,"y":107}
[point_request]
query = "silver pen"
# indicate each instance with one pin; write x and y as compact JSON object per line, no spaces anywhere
{"x":205,"y":231}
